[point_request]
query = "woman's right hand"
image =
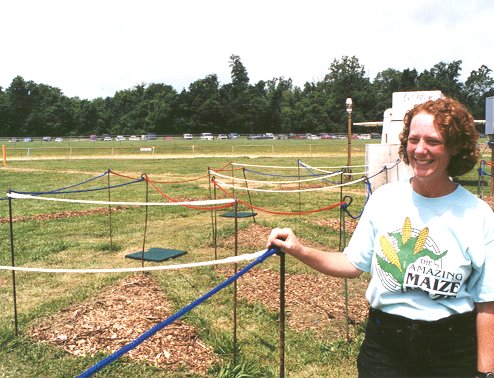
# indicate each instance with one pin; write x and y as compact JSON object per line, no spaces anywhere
{"x":285,"y":239}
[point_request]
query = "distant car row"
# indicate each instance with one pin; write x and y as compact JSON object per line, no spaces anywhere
{"x":211,"y":136}
{"x":29,"y":139}
{"x":120,"y":138}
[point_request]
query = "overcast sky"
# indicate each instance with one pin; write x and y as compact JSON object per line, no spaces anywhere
{"x":93,"y":48}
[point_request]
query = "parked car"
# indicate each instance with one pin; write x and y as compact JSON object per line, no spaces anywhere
{"x":207,"y":136}
{"x":312,"y":136}
{"x":282,"y":136}
{"x":120,"y":138}
{"x":59,"y":139}
{"x":254,"y":136}
{"x":46,"y":139}
{"x":93,"y":138}
{"x":222,"y":136}
{"x":28,"y":139}
{"x":134,"y":137}
{"x":13,"y":140}
{"x":188,"y":136}
{"x":268,"y":136}
{"x":233,"y":136}
{"x":107,"y":139}
{"x":325,"y":136}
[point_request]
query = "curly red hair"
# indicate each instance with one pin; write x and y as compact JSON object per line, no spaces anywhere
{"x":457,"y":126}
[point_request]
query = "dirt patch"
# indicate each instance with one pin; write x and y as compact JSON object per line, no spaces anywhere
{"x":61,"y":215}
{"x":118,"y":316}
{"x":312,"y":301}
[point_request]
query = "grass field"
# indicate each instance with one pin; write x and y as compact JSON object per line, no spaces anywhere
{"x":74,"y":235}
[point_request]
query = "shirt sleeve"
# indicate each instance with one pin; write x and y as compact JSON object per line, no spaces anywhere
{"x":483,"y":289}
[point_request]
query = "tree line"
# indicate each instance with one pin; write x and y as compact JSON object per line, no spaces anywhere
{"x":276,"y":105}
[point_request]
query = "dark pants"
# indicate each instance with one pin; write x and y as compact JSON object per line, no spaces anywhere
{"x":395,"y":346}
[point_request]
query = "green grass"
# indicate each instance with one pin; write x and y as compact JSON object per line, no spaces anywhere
{"x":58,"y":234}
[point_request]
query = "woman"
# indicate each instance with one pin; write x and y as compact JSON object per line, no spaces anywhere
{"x":429,"y":246}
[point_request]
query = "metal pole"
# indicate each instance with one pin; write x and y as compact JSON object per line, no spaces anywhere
{"x":282,"y":314}
{"x":145,"y":222}
{"x":14,"y":291}
{"x":235,"y":291}
{"x":109,"y":211}
{"x":349,"y":160}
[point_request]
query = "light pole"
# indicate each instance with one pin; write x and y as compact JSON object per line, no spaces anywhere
{"x":349,"y":111}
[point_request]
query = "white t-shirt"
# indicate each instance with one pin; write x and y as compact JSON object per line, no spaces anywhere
{"x":428,"y":257}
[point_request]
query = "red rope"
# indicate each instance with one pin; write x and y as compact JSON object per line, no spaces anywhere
{"x":187,"y":206}
{"x":278,"y":212}
{"x":488,"y":163}
{"x":121,"y":175}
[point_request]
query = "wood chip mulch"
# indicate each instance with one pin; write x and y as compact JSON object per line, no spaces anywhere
{"x":61,"y":214}
{"x":313,"y":301}
{"x":118,"y":316}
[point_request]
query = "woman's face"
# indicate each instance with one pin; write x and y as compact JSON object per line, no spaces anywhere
{"x":427,"y":152}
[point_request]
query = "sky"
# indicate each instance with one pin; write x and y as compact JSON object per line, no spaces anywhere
{"x":93,"y":48}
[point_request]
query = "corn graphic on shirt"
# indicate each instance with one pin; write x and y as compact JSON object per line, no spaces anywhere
{"x":428,"y":257}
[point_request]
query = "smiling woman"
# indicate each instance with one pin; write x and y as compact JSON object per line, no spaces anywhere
{"x":428,"y":244}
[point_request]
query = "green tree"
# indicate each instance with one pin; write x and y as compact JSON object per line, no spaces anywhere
{"x":346,"y":78}
{"x":20,"y":106}
{"x":237,"y":99}
{"x":409,"y":78}
{"x":385,"y":83}
{"x":478,"y":86}
{"x":202,"y":110}
{"x":443,"y":77}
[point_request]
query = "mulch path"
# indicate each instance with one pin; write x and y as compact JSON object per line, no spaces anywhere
{"x":118,"y":316}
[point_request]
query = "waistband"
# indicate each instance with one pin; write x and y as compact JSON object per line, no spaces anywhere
{"x":380,"y":317}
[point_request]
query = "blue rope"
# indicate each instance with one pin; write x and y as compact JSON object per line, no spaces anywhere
{"x":345,"y":206}
{"x":59,"y":191}
{"x":119,"y":353}
{"x":306,"y":167}
{"x":82,"y":183}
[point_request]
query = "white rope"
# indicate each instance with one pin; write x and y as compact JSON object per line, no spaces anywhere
{"x":291,"y":191}
{"x":298,"y":166}
{"x":227,"y":260}
{"x":332,"y":174}
{"x":189,"y":203}
{"x":366,"y":173}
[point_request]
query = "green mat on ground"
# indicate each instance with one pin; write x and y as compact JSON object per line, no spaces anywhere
{"x":239,"y":214}
{"x":156,"y":254}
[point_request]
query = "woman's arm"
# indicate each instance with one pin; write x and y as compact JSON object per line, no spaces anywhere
{"x":485,"y":336}
{"x":335,"y":264}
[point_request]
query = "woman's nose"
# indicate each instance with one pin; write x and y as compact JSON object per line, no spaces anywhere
{"x":421,"y":146}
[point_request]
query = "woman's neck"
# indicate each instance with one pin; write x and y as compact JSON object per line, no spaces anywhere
{"x":433,"y":189}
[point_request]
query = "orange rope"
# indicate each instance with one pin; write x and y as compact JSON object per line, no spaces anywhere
{"x":488,"y":162}
{"x":182,"y":181}
{"x":121,"y":175}
{"x":278,"y":212}
{"x":187,"y":206}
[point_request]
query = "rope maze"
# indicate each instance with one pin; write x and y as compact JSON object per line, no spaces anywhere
{"x":317,"y":178}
